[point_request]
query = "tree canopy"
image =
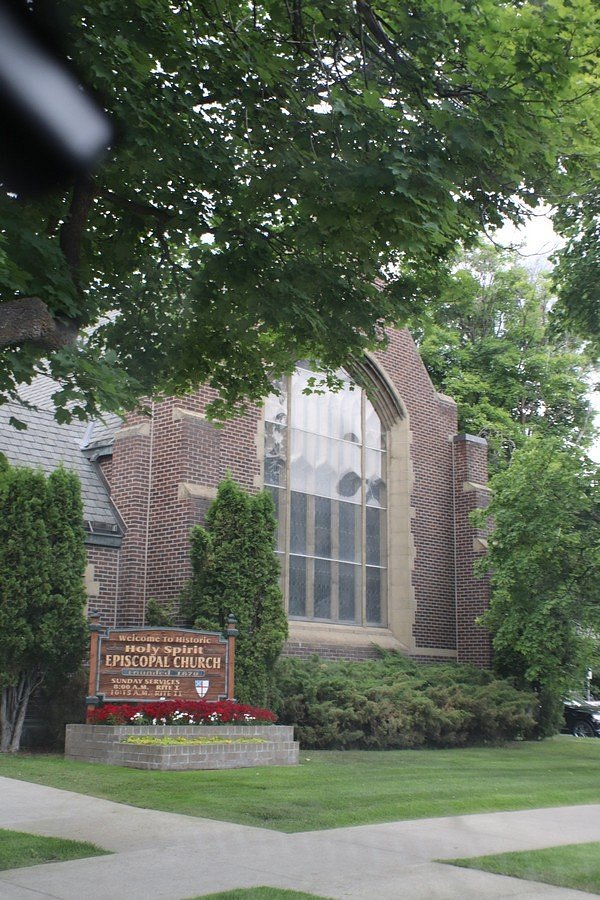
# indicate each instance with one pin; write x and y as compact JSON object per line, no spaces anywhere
{"x":544,"y":558}
{"x":288,"y":178}
{"x":493,"y":344}
{"x":577,"y":272}
{"x":489,"y":342}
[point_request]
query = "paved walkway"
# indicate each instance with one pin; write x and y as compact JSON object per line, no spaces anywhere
{"x":164,"y":856}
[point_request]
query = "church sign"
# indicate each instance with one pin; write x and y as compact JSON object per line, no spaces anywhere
{"x":150,"y":664}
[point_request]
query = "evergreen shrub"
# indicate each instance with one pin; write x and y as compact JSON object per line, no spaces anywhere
{"x":61,"y":702}
{"x":43,"y":628}
{"x":391,"y":703}
{"x":235,"y":570}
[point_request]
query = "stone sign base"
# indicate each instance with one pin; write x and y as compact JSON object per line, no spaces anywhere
{"x":272,"y":745}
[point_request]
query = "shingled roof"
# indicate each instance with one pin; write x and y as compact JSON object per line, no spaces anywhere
{"x":45,"y":444}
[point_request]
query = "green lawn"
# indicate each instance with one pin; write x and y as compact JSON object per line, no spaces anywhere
{"x":334,"y":789}
{"x":18,"y":849}
{"x":575,"y":866}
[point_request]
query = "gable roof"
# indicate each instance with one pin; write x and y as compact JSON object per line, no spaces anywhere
{"x":45,"y":444}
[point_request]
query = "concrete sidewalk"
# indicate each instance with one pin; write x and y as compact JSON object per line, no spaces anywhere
{"x":163,"y":856}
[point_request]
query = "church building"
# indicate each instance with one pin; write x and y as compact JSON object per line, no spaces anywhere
{"x":372,"y":488}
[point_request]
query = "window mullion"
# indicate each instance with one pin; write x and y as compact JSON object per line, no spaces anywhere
{"x":363,"y":513}
{"x":288,"y":489}
{"x":335,"y":555}
{"x":310,"y":553}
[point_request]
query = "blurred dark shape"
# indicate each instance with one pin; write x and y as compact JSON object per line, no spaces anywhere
{"x":52,"y":128}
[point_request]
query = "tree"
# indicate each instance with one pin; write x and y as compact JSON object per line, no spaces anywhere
{"x":42,"y":598}
{"x":289,"y":177}
{"x":235,"y":570}
{"x":577,"y":202}
{"x":545,"y":562}
{"x":521,"y":383}
{"x":577,"y":272}
{"x":488,"y":343}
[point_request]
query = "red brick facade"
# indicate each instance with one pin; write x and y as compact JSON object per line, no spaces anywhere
{"x":102,"y":581}
{"x":165,"y":469}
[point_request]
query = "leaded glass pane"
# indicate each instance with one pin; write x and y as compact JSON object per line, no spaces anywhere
{"x":374,"y":598}
{"x":302,"y":462}
{"x":348,"y":479}
{"x":349,"y":581}
{"x":330,"y":414}
{"x":276,"y":404}
{"x":375,"y":493}
{"x":349,"y":532}
{"x":275,"y":453}
{"x":322,"y":527}
{"x":306,"y":412}
{"x":349,"y":425}
{"x":298,"y":522}
{"x":322,"y":589}
{"x":374,"y":432}
{"x":325,"y":467}
{"x":375,"y":535}
{"x":324,"y":474}
{"x":297,"y":600}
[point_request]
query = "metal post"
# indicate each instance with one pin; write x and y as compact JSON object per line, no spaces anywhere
{"x":95,"y":628}
{"x":232,"y":633}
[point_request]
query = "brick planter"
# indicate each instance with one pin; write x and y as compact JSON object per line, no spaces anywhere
{"x":104,"y":744}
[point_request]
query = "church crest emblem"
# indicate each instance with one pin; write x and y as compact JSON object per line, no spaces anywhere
{"x":201,"y":685}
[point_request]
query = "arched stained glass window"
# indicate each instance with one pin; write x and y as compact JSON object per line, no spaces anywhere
{"x":325,"y":466}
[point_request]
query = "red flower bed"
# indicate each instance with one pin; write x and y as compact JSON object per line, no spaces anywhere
{"x":184,"y":712}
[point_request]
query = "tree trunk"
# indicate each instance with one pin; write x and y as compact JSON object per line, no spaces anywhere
{"x":13,"y":708}
{"x":27,"y":320}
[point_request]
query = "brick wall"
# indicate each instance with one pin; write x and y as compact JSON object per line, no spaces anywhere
{"x":472,"y":593}
{"x":102,"y":581}
{"x":165,"y":471}
{"x":130,"y":473}
{"x":433,"y":422}
{"x":105,"y":744}
{"x":301,"y":650}
{"x":189,"y":458}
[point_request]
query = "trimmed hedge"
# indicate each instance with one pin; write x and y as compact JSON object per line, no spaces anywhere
{"x":392,"y":703}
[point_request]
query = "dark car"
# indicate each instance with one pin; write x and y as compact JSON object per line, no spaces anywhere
{"x":582,"y":716}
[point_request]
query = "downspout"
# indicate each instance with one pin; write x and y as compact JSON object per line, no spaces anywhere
{"x":147,"y":541}
{"x":117,"y":579}
{"x":455,"y":548}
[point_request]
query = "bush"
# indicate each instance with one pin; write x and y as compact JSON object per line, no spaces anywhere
{"x":235,"y":570}
{"x":43,"y":629}
{"x":158,"y":616}
{"x":60,"y":703}
{"x":392,"y":703}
